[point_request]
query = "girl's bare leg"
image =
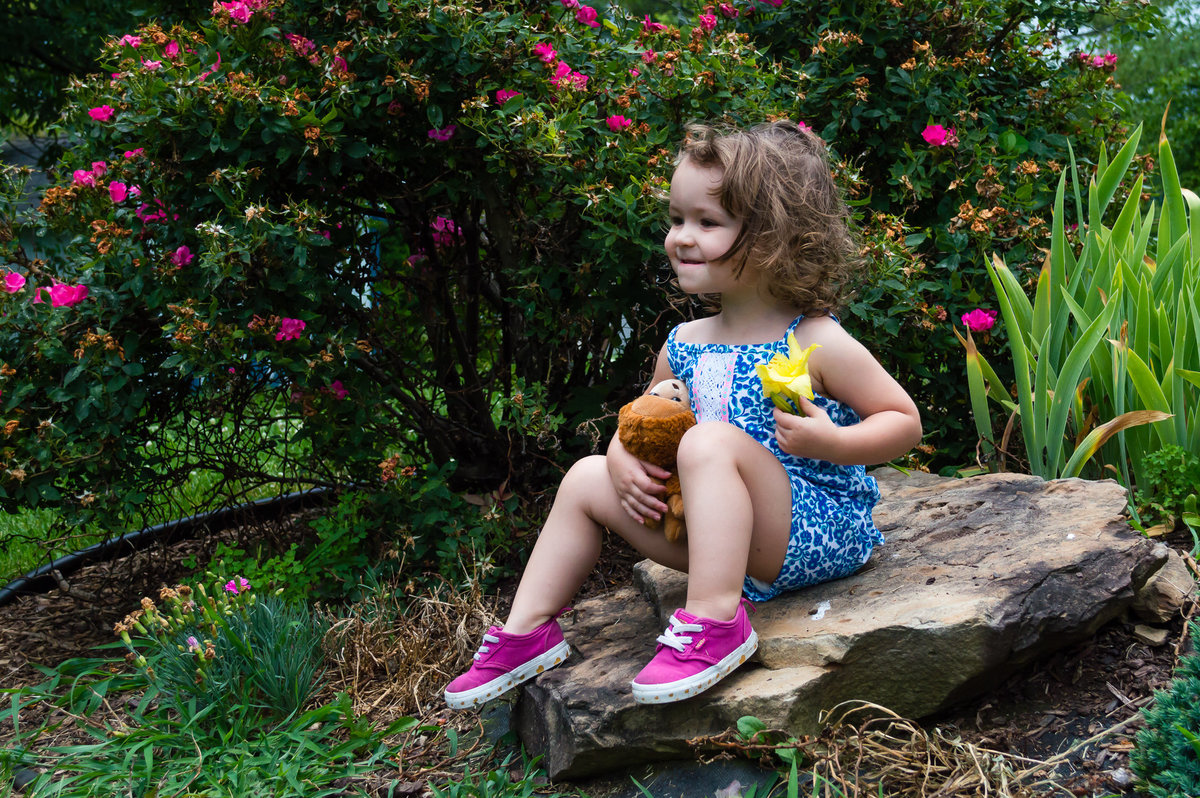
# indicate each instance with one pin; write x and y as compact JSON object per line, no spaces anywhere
{"x":737,"y":503}
{"x":569,"y":544}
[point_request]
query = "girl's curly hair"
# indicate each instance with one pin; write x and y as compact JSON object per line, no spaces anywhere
{"x":796,"y":226}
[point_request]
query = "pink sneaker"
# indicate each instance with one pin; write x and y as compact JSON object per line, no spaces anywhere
{"x":693,"y":655}
{"x":504,"y":661}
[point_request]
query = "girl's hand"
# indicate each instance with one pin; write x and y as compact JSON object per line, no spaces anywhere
{"x":637,"y":484}
{"x":812,"y":435}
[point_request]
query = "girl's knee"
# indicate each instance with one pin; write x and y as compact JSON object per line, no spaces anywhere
{"x":581,"y":477}
{"x":705,"y":443}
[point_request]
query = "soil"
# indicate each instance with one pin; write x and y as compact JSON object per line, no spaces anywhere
{"x":1092,"y":690}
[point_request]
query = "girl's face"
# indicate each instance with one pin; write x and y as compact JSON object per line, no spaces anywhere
{"x":701,"y":231}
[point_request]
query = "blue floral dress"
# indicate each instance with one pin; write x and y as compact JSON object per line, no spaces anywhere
{"x":832,"y":531}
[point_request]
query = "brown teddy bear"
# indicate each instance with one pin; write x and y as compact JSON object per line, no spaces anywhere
{"x":650,"y":428}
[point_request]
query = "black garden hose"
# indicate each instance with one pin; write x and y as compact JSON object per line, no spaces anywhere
{"x":42,"y":579}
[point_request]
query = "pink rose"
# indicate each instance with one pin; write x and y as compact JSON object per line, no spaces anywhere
{"x":938,"y":136}
{"x":617,"y":123}
{"x":803,"y":126}
{"x":151,"y":66}
{"x":652,"y":27}
{"x":171,"y":51}
{"x":445,"y":232}
{"x":182,"y":256}
{"x":289,"y":329}
{"x":340,"y":65}
{"x":131,"y":41}
{"x":570,"y":3}
{"x":443,"y":134}
{"x":99,"y":168}
{"x":101,"y":113}
{"x":587,"y":16}
{"x":708,"y":22}
{"x":545,"y":52}
{"x":979,"y":320}
{"x":338,"y":390}
{"x":648,"y":56}
{"x":13,"y":282}
{"x":504,"y":95}
{"x":64,"y":296}
{"x":135,"y":153}
{"x":82,"y":177}
{"x":728,"y":11}
{"x":118,"y":191}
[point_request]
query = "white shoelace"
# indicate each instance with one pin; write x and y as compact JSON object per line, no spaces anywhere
{"x":672,"y":638}
{"x":483,"y":649}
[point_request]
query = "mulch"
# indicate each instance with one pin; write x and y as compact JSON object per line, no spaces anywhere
{"x":1093,"y":689}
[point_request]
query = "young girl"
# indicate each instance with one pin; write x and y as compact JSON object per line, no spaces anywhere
{"x":773,"y":501}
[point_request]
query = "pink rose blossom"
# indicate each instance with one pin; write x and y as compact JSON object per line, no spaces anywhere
{"x":82,"y":177}
{"x":99,"y":168}
{"x":340,"y":65}
{"x":211,"y":70}
{"x":445,"y":232}
{"x":135,"y":153}
{"x":648,"y":56}
{"x":803,"y":126}
{"x":13,"y":282}
{"x":775,"y":3}
{"x":979,"y":320}
{"x":236,"y":586}
{"x":129,"y":40}
{"x":587,"y":15}
{"x":570,"y":3}
{"x":617,"y":123}
{"x":649,"y":26}
{"x":171,"y":51}
{"x":289,"y":329}
{"x":151,"y":66}
{"x":728,"y":11}
{"x":119,"y":192}
{"x":635,"y":72}
{"x":64,"y":296}
{"x":708,"y":22}
{"x":338,"y":390}
{"x":101,"y":113}
{"x":545,"y":52}
{"x":566,"y":78}
{"x":938,"y":136}
{"x":182,"y":256}
{"x":504,"y":95}
{"x":443,"y":133}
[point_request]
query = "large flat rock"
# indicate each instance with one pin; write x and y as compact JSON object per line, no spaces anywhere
{"x":978,"y":577}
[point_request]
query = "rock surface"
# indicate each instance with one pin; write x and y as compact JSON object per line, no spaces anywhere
{"x":1166,"y":591}
{"x":978,"y":577}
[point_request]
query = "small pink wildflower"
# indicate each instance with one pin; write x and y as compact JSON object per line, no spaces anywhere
{"x":708,"y":22}
{"x":119,"y":192}
{"x":979,"y":320}
{"x":587,"y":15}
{"x":82,"y":177}
{"x":649,"y":26}
{"x":129,"y":40}
{"x":182,"y":256}
{"x":546,"y":52}
{"x":289,"y":329}
{"x":13,"y":282}
{"x":504,"y":95}
{"x":193,"y":645}
{"x":338,"y":390}
{"x":236,"y":586}
{"x":101,"y":113}
{"x":617,"y":123}
{"x":938,"y":136}
{"x":443,"y":133}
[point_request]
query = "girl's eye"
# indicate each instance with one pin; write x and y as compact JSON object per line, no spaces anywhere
{"x":675,"y":221}
{"x":708,"y":223}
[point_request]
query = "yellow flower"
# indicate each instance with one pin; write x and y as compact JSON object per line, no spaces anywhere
{"x":785,"y":378}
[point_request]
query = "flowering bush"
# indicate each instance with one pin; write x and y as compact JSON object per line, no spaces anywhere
{"x":953,"y":120}
{"x":366,"y":235}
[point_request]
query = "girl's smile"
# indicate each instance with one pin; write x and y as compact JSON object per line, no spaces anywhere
{"x":701,"y":232}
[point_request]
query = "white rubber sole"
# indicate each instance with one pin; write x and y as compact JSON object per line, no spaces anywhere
{"x":507,"y":681}
{"x":670,"y":692}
